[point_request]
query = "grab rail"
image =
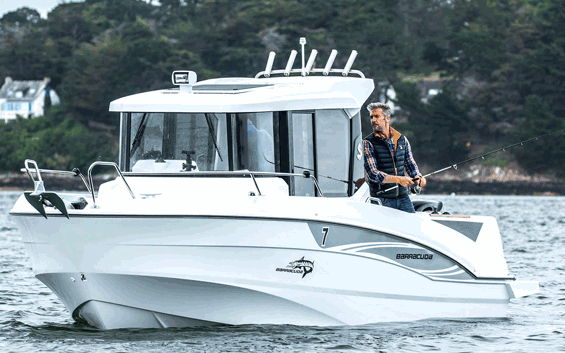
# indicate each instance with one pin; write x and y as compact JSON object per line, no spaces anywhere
{"x":369,"y":199}
{"x":112,"y":164}
{"x":231,"y":174}
{"x":75,"y":172}
{"x":39,"y":187}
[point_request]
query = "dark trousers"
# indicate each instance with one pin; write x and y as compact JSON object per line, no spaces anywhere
{"x":402,"y":203}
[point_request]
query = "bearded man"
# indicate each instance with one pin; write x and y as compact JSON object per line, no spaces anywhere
{"x":389,"y":161}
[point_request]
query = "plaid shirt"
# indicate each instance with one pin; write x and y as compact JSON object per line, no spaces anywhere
{"x":371,"y":169}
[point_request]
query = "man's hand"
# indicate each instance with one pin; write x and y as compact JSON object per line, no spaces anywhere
{"x":421,"y":181}
{"x":359,"y":182}
{"x":404,"y":180}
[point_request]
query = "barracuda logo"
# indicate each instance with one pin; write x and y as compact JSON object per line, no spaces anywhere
{"x":414,"y":256}
{"x":299,"y":266}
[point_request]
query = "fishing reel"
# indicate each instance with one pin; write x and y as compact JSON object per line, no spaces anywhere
{"x":414,"y":189}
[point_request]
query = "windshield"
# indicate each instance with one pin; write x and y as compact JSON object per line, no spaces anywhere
{"x":316,"y":141}
{"x":173,"y":142}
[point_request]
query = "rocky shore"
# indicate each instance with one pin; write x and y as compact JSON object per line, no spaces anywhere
{"x":469,"y":187}
{"x":474,"y":181}
{"x":489,"y":180}
{"x":21,"y":182}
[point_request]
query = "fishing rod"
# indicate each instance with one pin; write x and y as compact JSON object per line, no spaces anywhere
{"x":309,"y":169}
{"x":456,"y":165}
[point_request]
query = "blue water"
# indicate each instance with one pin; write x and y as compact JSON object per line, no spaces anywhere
{"x":32,"y":319}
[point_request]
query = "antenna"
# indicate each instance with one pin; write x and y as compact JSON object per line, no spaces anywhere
{"x":349,"y":63}
{"x":290,"y":63}
{"x":310,"y":62}
{"x":330,"y":62}
{"x":270,"y":64}
{"x":302,"y":43}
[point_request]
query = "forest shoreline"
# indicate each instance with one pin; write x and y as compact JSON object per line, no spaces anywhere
{"x":17,"y":182}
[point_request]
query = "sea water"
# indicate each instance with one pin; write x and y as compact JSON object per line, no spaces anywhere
{"x":32,"y":319}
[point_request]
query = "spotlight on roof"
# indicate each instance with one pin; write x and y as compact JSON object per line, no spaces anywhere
{"x":184,"y":79}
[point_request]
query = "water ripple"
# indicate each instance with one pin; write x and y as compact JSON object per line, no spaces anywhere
{"x":32,"y":319}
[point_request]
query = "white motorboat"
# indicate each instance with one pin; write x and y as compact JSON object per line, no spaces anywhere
{"x":235,"y":204}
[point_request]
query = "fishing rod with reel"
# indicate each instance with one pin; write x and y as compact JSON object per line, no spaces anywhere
{"x":415,"y":189}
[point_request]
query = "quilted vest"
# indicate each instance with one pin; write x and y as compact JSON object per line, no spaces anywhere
{"x":389,"y":162}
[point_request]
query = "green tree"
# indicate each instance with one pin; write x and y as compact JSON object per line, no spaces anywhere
{"x":438,"y":131}
{"x":477,"y":37}
{"x":546,"y":154}
{"x":63,"y":145}
{"x":120,"y":65}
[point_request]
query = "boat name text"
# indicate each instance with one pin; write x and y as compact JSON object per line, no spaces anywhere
{"x":414,"y":256}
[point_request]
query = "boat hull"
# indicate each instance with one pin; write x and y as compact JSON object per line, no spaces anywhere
{"x":116,"y":272}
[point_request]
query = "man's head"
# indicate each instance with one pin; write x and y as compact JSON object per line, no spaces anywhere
{"x":380,"y":116}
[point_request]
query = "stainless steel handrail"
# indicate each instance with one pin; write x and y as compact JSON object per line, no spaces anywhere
{"x":316,"y":184}
{"x":37,"y":170}
{"x":369,"y":199}
{"x":256,"y":186}
{"x":112,"y":164}
{"x":231,"y":174}
{"x":75,"y":172}
{"x":38,"y":186}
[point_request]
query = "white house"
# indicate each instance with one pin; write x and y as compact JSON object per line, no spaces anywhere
{"x":24,"y":98}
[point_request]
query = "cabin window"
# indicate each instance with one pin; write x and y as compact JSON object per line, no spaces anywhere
{"x":321,"y":146}
{"x":316,"y":141}
{"x":160,"y":142}
{"x":253,"y":143}
{"x":333,"y":151}
{"x":303,"y":151}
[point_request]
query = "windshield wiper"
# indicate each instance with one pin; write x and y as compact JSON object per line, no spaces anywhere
{"x":140,"y":130}
{"x":213,"y":134}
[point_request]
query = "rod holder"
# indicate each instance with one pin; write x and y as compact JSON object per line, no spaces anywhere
{"x":349,"y":62}
{"x":330,"y":62}
{"x":290,"y":62}
{"x":269,"y":66}
{"x":310,"y":62}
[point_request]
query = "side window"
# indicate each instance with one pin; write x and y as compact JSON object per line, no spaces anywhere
{"x":333,"y":151}
{"x":254,"y":143}
{"x":303,"y":152}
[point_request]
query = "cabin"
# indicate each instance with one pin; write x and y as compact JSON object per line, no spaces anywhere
{"x":25,"y":98}
{"x":299,"y":122}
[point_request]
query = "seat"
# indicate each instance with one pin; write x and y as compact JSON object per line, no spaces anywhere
{"x":427,"y":206}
